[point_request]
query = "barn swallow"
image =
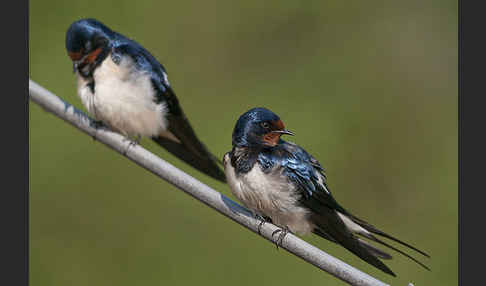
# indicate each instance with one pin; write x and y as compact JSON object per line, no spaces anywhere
{"x":124,"y":87}
{"x":280,"y":181}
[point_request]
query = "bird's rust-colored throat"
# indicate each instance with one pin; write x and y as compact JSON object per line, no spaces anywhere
{"x":75,"y":56}
{"x":90,"y":58}
{"x":271,"y":138}
{"x":93,"y":55}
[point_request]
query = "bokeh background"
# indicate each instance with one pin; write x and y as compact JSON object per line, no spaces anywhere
{"x":369,"y":88}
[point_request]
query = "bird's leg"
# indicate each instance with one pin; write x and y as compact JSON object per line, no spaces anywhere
{"x":262,"y":219}
{"x":96,"y":124}
{"x":283,"y":232}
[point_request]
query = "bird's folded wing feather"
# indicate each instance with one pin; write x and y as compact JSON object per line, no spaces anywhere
{"x":180,"y":138}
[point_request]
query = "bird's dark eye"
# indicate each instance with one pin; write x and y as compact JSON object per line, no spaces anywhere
{"x":265,"y":125}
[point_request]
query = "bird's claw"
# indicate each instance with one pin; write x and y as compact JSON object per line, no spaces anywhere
{"x":131,"y":143}
{"x":283,"y":232}
{"x":96,"y":124}
{"x":262,"y":220}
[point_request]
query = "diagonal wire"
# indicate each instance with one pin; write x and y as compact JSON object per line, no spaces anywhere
{"x":219,"y":202}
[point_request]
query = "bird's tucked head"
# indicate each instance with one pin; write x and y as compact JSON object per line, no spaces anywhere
{"x":258,"y":128}
{"x":87,"y":43}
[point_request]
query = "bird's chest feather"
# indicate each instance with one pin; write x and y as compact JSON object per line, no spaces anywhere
{"x":123,"y":98}
{"x":269,"y":194}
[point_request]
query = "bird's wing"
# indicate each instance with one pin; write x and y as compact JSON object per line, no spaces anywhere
{"x":180,"y":139}
{"x":334,"y":221}
{"x":307,"y":174}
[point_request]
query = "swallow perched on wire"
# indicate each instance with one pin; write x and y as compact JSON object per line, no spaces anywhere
{"x":124,"y":87}
{"x":280,"y":182}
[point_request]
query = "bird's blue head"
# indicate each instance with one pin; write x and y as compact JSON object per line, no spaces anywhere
{"x":258,"y":128}
{"x":87,"y":43}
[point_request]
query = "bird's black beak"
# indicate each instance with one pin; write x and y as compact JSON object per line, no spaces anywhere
{"x":77,"y":63}
{"x":77,"y":58}
{"x":286,"y":132}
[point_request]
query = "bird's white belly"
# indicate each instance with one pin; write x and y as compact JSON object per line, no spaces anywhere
{"x":270,"y":195}
{"x":124,"y":99}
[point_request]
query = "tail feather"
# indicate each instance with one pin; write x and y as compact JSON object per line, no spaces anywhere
{"x":374,"y":230}
{"x":375,"y":239}
{"x":376,"y":251}
{"x":333,"y":227}
{"x":181,"y":140}
{"x":202,"y":160}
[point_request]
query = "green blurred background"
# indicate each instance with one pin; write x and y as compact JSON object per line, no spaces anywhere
{"x":369,"y":88}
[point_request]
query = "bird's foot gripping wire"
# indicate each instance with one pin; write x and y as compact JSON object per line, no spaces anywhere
{"x":283,"y":232}
{"x":262,"y":219}
{"x":96,"y":124}
{"x":131,"y":143}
